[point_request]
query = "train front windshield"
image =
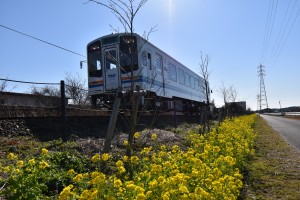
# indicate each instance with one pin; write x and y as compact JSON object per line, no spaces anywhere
{"x":128,"y":55}
{"x":94,"y":59}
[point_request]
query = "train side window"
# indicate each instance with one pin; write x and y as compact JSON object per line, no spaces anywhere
{"x":192,"y":81}
{"x":181,"y":76}
{"x":158,"y":63}
{"x":172,"y":72}
{"x":197,"y":84}
{"x":187,"y":79}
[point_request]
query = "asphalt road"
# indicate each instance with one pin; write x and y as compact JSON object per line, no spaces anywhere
{"x":289,"y":129}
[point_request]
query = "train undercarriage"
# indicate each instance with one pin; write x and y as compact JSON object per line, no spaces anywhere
{"x":150,"y":103}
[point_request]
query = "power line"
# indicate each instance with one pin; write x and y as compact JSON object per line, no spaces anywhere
{"x":280,"y":33}
{"x":28,"y":82}
{"x":269,"y":29}
{"x":287,"y":36}
{"x":42,"y":40}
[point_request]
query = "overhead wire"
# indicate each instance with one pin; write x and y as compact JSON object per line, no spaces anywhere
{"x":35,"y":38}
{"x":287,"y":24}
{"x":288,"y":34}
{"x":266,"y":32}
{"x":280,"y":33}
{"x":28,"y":82}
{"x":269,"y":29}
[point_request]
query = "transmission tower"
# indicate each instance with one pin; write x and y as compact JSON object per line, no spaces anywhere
{"x":262,"y":97}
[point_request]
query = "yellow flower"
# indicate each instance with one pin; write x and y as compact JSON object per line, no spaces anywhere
{"x":216,"y":149}
{"x":183,"y":189}
{"x":140,"y":196}
{"x":125,"y":158}
{"x":149,"y":193}
{"x":96,"y":158}
{"x":44,"y":151}
{"x":136,"y":135}
{"x":117,"y":183}
{"x":153,"y":183}
{"x":105,"y":156}
{"x":71,"y":172}
{"x":44,"y":165}
{"x":20,"y":163}
{"x":134,"y":159}
{"x":119,"y":163}
{"x":66,"y":193}
{"x":31,"y":161}
{"x":125,"y":142}
{"x":121,"y":169}
{"x":153,"y":136}
{"x":11,"y":156}
{"x":85,"y":195}
{"x":77,"y":177}
{"x":6,"y":169}
{"x":94,"y":194}
{"x":175,"y":148}
{"x":163,"y":147}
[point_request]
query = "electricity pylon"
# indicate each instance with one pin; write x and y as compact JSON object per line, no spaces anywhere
{"x":262,"y":97}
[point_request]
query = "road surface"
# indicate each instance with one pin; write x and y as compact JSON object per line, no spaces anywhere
{"x":288,"y":128}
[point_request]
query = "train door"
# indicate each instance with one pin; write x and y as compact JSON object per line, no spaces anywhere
{"x":112,"y":71}
{"x":159,"y":74}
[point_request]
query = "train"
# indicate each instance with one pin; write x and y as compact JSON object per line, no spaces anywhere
{"x":127,"y":60}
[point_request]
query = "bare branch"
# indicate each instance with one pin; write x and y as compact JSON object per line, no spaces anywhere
{"x":224,"y":93}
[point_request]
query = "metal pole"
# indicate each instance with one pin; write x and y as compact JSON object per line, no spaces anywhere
{"x":63,"y":110}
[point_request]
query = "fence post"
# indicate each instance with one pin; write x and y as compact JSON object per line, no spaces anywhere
{"x":175,"y":113}
{"x":112,"y":121}
{"x":63,"y":110}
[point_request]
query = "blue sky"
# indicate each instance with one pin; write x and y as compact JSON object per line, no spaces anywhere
{"x":231,"y":32}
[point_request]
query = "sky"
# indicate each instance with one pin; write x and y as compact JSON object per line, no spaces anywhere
{"x":237,"y":35}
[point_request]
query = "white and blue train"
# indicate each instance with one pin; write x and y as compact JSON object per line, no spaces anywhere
{"x":128,"y":60}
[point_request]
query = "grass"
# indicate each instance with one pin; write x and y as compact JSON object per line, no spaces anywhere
{"x":274,"y":172}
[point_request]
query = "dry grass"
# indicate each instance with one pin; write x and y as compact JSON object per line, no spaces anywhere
{"x":274,"y":173}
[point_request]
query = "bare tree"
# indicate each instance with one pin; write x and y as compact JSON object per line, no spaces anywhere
{"x":228,"y":94}
{"x":45,"y":91}
{"x":232,"y":93}
{"x":76,"y":89}
{"x":4,"y":87}
{"x":204,"y":71}
{"x":125,"y":11}
{"x":224,"y":93}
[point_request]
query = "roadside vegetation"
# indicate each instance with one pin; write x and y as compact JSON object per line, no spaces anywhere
{"x":243,"y":158}
{"x":189,"y":166}
{"x":274,"y":172}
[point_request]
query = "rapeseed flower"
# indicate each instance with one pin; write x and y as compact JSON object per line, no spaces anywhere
{"x":96,"y":158}
{"x":43,"y":165}
{"x":105,"y":156}
{"x":44,"y":151}
{"x":136,"y":135}
{"x":20,"y":163}
{"x":117,"y":183}
{"x":153,"y":136}
{"x":31,"y":161}
{"x":12,"y":156}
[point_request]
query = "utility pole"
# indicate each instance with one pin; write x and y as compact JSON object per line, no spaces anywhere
{"x":262,"y":97}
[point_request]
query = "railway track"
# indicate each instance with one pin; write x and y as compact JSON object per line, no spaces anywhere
{"x":47,"y":123}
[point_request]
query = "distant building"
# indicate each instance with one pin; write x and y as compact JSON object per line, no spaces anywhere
{"x":31,"y":100}
{"x":241,"y":105}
